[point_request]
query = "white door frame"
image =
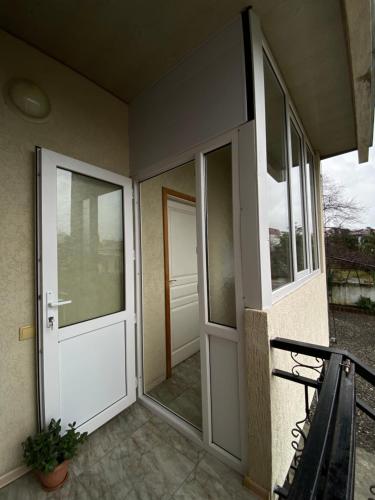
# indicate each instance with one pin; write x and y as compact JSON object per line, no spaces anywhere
{"x":237,"y":334}
{"x":48,"y":337}
{"x":196,"y":154}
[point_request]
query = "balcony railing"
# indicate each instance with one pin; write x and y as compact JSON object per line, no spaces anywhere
{"x":324,"y":462}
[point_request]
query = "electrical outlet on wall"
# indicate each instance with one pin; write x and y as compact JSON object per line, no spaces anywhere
{"x":27,"y":332}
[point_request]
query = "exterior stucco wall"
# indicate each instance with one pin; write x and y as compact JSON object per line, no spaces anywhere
{"x":301,"y":316}
{"x":86,"y":123}
{"x":259,"y":397}
{"x":274,"y":404}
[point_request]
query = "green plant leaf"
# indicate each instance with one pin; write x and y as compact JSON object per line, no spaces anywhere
{"x":49,"y":448}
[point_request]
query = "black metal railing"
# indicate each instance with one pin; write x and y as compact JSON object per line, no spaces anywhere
{"x":324,"y":441}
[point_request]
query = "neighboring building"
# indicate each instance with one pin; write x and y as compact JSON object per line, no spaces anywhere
{"x":275,"y":235}
{"x":246,"y":105}
{"x":360,"y":233}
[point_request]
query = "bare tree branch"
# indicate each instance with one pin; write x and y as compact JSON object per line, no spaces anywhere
{"x":338,"y":210}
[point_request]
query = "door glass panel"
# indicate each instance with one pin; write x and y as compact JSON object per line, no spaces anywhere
{"x":170,"y":305}
{"x":297,"y":196}
{"x":220,"y":260}
{"x":277,"y":180}
{"x":90,"y":247}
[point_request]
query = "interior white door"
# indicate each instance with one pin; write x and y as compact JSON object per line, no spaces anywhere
{"x":183,"y":273}
{"x":85,"y":292}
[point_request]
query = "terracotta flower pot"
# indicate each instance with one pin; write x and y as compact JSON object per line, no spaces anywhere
{"x":53,"y":480}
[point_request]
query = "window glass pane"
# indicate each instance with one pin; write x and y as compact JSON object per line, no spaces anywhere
{"x":311,"y":202}
{"x":90,"y":247}
{"x":220,"y":261}
{"x":277,"y":180}
{"x":297,"y":197}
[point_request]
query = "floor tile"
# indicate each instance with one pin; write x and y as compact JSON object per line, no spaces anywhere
{"x":181,"y":393}
{"x":229,"y":478}
{"x":142,"y":466}
{"x":27,"y":488}
{"x":189,"y":406}
{"x":191,"y":450}
{"x":74,"y":490}
{"x":103,"y":440}
{"x":201,"y":485}
{"x":169,"y":390}
{"x":137,"y":456}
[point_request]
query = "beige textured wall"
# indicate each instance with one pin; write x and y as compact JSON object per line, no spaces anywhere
{"x":259,"y":397}
{"x":86,"y":123}
{"x":180,"y":179}
{"x":274,"y":404}
{"x":302,"y":316}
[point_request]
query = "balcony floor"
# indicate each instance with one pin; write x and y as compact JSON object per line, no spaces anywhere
{"x":138,"y":456}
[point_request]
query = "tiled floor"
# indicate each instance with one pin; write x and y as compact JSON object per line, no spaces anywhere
{"x":137,"y":456}
{"x":182,"y":392}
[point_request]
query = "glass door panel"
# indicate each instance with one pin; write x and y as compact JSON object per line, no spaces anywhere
{"x":219,"y":215}
{"x":90,"y":247}
{"x":170,"y":306}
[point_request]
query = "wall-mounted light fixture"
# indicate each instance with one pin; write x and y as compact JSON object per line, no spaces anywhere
{"x":27,"y":99}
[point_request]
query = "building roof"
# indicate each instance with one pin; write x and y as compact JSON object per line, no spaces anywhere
{"x":323,"y":50}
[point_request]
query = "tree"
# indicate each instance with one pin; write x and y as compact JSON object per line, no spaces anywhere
{"x":338,"y":210}
{"x":367,"y":243}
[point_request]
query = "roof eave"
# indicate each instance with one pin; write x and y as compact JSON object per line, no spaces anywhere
{"x":359,"y":31}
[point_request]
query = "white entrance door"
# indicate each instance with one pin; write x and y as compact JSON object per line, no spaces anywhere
{"x":85,"y":291}
{"x":183,"y":273}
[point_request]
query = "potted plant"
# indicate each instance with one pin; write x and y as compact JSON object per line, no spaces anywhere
{"x":48,"y":453}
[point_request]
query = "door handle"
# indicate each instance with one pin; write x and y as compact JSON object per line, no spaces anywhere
{"x":59,"y":303}
{"x":50,"y":314}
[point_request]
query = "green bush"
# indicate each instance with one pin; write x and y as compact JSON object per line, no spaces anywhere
{"x":366,"y":303}
{"x":47,"y":449}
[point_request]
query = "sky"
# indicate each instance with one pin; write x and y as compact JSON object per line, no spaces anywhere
{"x":358,"y":182}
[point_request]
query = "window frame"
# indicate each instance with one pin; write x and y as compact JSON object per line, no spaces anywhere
{"x":314,"y":210}
{"x":297,"y":275}
{"x":286,"y":155}
{"x":298,"y":278}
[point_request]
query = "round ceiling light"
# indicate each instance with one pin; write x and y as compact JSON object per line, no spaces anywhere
{"x":28,"y":99}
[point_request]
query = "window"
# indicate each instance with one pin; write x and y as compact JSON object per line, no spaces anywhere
{"x":292,"y":203}
{"x":297,"y":190}
{"x":311,"y":207}
{"x":277,"y":180}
